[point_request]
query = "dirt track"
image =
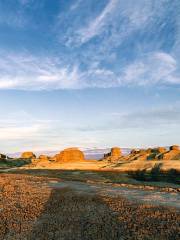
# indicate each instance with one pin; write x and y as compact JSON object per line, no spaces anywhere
{"x":37,"y":208}
{"x":113,"y":190}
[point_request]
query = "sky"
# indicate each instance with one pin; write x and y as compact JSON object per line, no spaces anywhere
{"x":88,"y":73}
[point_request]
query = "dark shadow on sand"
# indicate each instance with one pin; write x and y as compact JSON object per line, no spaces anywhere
{"x":69,"y":215}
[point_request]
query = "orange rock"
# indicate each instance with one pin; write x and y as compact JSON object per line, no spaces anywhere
{"x":161,"y":149}
{"x":115,"y":152}
{"x":28,"y":155}
{"x":70,"y":155}
{"x":170,"y":155}
{"x":43,"y":157}
{"x":149,"y":150}
{"x":113,"y":155}
{"x":134,"y":151}
{"x":174,"y":147}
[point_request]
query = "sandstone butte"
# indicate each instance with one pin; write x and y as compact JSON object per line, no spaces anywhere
{"x":28,"y":155}
{"x":70,"y":155}
{"x":113,"y":155}
{"x":43,"y":157}
{"x":137,"y":159}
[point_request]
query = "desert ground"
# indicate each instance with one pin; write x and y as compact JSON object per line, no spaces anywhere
{"x":34,"y":207}
{"x":67,"y":197}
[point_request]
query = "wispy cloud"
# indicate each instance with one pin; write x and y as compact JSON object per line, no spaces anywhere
{"x":96,"y":26}
{"x":24,"y":71}
{"x":153,"y":68}
{"x":160,"y":117}
{"x":28,"y":72}
{"x":115,"y":22}
{"x":117,"y":43}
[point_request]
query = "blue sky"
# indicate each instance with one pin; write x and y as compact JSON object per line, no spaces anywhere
{"x":89,"y":73}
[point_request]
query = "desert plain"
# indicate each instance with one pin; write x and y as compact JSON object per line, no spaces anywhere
{"x":132,"y":196}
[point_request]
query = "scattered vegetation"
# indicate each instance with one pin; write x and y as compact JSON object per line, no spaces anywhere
{"x":155,"y":174}
{"x":9,"y":163}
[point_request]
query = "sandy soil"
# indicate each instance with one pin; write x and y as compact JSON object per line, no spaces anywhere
{"x":153,"y":197}
{"x":44,"y":208}
{"x":98,"y":165}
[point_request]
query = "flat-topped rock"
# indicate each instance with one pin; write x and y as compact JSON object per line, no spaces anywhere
{"x":28,"y":155}
{"x":116,"y":152}
{"x":70,"y":155}
{"x":43,"y":157}
{"x":113,"y":155}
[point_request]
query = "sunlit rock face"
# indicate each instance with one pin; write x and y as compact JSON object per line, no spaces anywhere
{"x":114,"y":155}
{"x":175,"y":147}
{"x":43,"y":157}
{"x":28,"y":155}
{"x":115,"y":152}
{"x":159,"y":150}
{"x":172,"y":154}
{"x":70,"y":155}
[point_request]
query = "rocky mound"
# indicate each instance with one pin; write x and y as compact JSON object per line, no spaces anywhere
{"x":70,"y":155}
{"x":43,"y":157}
{"x":158,"y":150}
{"x":158,"y":153}
{"x":113,"y":155}
{"x":175,"y":147}
{"x":28,"y":155}
{"x":3,"y":156}
{"x":172,"y":154}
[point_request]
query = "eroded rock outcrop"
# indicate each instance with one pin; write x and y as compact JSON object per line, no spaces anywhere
{"x":28,"y":155}
{"x":113,"y":155}
{"x":175,"y":147}
{"x":44,"y":157}
{"x":159,"y":150}
{"x":3,"y":156}
{"x":70,"y":155}
{"x":171,"y":155}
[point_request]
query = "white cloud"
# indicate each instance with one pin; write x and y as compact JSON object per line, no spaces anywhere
{"x":96,"y":26}
{"x":25,"y":71}
{"x":153,"y":68}
{"x":15,"y":133}
{"x":115,"y":22}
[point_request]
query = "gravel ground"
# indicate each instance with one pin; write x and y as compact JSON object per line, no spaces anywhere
{"x":31,"y":209}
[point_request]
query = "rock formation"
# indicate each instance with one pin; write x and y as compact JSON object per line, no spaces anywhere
{"x":156,"y":154}
{"x":172,"y":154}
{"x":43,"y":157}
{"x":28,"y":155}
{"x":70,"y":155}
{"x":159,"y":153}
{"x":159,"y":150}
{"x":3,"y":156}
{"x":115,"y":152}
{"x":113,"y":155}
{"x":134,"y":151}
{"x":174,"y":147}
